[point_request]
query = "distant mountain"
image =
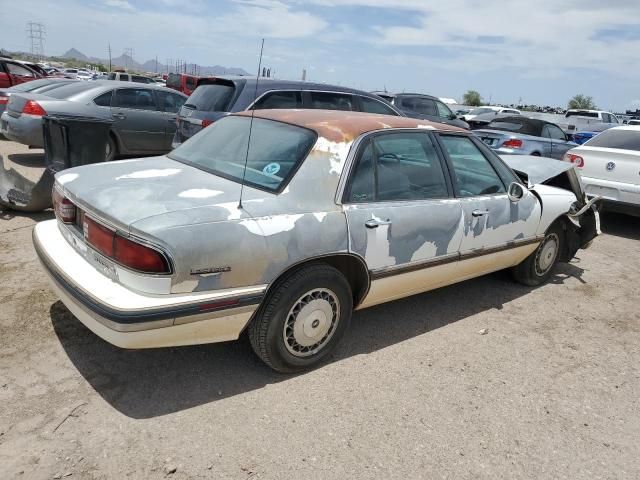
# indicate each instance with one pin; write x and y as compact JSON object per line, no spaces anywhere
{"x":124,"y":61}
{"x":75,"y":54}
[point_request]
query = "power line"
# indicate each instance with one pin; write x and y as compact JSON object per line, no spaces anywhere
{"x":36,"y":33}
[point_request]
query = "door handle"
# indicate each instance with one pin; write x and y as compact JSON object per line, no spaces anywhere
{"x":119,"y":116}
{"x":373,"y":223}
{"x":480,"y":213}
{"x":172,"y":120}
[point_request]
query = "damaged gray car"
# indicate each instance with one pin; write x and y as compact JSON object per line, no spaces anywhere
{"x":326,"y":212}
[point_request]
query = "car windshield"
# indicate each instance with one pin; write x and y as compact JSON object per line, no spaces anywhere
{"x":480,"y":111}
{"x":614,"y":138}
{"x":275,"y":152}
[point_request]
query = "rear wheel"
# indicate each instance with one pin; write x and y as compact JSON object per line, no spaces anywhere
{"x":538,"y":267}
{"x":111,"y":149}
{"x":302,"y":319}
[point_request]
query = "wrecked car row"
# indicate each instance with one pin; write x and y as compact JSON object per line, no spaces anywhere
{"x":284,"y":223}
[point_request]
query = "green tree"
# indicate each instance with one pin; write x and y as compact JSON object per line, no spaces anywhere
{"x":582,"y":102}
{"x":472,"y":98}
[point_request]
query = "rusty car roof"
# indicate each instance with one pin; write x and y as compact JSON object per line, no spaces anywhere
{"x":344,"y":126}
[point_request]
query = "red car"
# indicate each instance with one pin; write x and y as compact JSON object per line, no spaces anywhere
{"x":13,"y":73}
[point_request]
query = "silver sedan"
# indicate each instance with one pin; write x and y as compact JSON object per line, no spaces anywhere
{"x":519,"y":135}
{"x":326,"y":212}
{"x":144,"y":115}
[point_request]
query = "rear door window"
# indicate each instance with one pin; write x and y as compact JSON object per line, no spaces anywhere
{"x":289,"y":99}
{"x":214,"y":97}
{"x":396,"y":167}
{"x":472,"y":172}
{"x":330,"y":101}
{"x":104,"y":100}
{"x":134,"y":98}
{"x":424,"y":106}
{"x":371,"y":105}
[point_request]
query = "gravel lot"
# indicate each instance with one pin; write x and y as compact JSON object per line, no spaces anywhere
{"x":414,"y":391}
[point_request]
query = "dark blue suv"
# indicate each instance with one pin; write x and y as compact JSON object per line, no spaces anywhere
{"x":217,"y":97}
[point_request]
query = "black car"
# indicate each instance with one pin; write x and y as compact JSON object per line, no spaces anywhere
{"x":216,"y":97}
{"x":426,"y":107}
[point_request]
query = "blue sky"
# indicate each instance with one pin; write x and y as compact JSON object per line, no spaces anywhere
{"x":542,"y":52}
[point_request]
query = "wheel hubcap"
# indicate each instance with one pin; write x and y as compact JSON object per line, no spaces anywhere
{"x":547,"y":253}
{"x":311,"y":322}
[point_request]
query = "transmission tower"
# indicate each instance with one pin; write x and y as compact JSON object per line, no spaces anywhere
{"x":128,"y":55}
{"x":36,"y":33}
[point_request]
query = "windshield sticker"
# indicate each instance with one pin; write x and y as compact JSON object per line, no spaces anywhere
{"x":271,"y":169}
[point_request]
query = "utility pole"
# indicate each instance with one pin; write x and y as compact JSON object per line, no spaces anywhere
{"x":156,"y":63}
{"x":110,"y":57}
{"x":36,"y":33}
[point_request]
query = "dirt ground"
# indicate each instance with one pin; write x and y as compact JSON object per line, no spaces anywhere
{"x":414,"y":391}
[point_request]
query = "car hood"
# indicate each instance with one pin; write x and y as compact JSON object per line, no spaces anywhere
{"x":537,"y":169}
{"x":157,"y":192}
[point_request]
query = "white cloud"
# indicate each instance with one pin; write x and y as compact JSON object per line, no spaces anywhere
{"x":123,"y":4}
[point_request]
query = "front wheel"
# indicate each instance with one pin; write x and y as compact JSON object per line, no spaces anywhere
{"x":538,"y":267}
{"x":302,"y":319}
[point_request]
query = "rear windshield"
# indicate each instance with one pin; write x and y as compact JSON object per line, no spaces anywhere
{"x":275,"y":151}
{"x":71,"y":89}
{"x":525,"y":128}
{"x":623,"y":139}
{"x":211,"y":97}
{"x":582,"y":113}
{"x":29,"y":86}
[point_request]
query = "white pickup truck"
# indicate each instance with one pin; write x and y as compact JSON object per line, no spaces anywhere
{"x":609,"y":165}
{"x":588,"y":120}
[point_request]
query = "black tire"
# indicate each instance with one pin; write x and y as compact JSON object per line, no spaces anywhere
{"x":111,"y":150}
{"x":536,"y":154}
{"x":278,"y":347}
{"x":538,"y":267}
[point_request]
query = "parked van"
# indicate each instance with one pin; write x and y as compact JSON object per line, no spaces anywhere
{"x":182,"y":82}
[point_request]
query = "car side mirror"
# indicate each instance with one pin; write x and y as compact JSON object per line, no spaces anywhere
{"x":452,"y":116}
{"x":515,"y":192}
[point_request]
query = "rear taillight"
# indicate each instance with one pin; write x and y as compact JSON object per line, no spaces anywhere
{"x":577,"y":160}
{"x":33,"y":108}
{"x":139,"y":257}
{"x":64,"y":209}
{"x":206,"y":123}
{"x":4,"y":100}
{"x":512,"y":143}
{"x":98,"y":236}
{"x":126,"y":252}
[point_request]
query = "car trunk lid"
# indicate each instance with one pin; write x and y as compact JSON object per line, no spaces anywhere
{"x":610,"y":164}
{"x":125,"y":192}
{"x":492,"y":138}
